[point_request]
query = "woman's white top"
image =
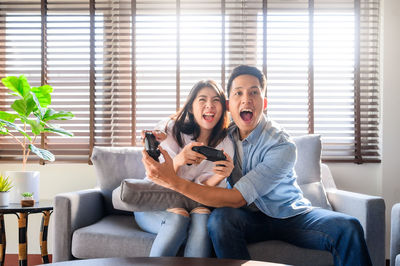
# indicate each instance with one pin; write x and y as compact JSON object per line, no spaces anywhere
{"x":197,"y":173}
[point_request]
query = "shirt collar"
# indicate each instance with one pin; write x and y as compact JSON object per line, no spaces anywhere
{"x":254,"y":135}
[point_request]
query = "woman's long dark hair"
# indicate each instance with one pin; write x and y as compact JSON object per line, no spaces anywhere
{"x":186,"y":124}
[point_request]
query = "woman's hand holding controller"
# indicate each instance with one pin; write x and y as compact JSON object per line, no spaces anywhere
{"x":188,"y":156}
{"x":224,"y":168}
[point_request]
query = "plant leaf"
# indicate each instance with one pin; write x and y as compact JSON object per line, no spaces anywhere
{"x":36,"y":127}
{"x":27,"y":194}
{"x":53,"y":115}
{"x":8,"y":117}
{"x":43,"y":154}
{"x":19,"y":85}
{"x":3,"y":129}
{"x":19,"y":106}
{"x":59,"y":131}
{"x":12,"y":125}
{"x":24,"y":107}
{"x":38,"y":111}
{"x":43,"y":94}
{"x":5,"y":183}
{"x":11,"y":82}
{"x":30,"y":105}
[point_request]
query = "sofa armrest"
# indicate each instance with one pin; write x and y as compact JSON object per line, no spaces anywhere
{"x":74,"y":210}
{"x":395,"y":234}
{"x":370,"y":211}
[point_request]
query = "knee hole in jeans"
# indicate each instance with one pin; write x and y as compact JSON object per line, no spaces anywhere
{"x":179,"y":211}
{"x":202,"y":210}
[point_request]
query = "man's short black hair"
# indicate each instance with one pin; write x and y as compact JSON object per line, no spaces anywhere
{"x":246,"y":70}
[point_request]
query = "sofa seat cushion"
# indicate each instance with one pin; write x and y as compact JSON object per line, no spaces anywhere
{"x":285,"y":253}
{"x":119,"y":236}
{"x":112,"y":236}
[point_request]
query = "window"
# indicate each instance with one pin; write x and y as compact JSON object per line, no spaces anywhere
{"x":121,"y":66}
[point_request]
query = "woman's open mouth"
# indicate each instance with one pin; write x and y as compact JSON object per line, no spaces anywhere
{"x":208,"y":117}
{"x":246,"y":115}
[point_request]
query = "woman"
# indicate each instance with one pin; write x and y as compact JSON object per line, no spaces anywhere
{"x":203,"y":120}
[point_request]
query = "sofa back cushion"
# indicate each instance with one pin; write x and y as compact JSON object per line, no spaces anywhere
{"x":308,"y":169}
{"x":114,"y":164}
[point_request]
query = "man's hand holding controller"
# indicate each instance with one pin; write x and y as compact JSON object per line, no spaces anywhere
{"x":158,"y":134}
{"x":151,"y":140}
{"x":151,"y":145}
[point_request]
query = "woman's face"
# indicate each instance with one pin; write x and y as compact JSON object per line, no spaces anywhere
{"x":207,"y":108}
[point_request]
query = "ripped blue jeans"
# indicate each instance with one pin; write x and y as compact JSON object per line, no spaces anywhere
{"x":173,"y":230}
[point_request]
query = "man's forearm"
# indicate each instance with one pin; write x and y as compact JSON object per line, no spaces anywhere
{"x":163,"y":174}
{"x":209,"y":196}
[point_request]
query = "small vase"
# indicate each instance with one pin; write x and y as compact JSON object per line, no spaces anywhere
{"x":27,"y":202}
{"x":4,"y":198}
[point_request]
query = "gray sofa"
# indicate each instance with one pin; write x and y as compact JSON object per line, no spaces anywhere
{"x":88,"y":226}
{"x":395,"y":236}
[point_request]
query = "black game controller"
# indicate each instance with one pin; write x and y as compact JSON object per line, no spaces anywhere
{"x":151,"y":146}
{"x":211,"y":153}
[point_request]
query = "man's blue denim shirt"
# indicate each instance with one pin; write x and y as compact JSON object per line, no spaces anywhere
{"x":268,"y":177}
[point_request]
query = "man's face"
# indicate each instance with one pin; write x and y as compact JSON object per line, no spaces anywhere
{"x":246,"y":103}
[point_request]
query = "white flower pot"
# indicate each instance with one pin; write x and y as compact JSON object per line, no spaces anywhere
{"x":4,"y":198}
{"x":23,"y":181}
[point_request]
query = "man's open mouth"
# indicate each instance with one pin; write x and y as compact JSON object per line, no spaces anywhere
{"x":208,"y":117}
{"x":246,"y":115}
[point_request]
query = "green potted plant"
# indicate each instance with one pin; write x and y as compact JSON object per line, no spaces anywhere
{"x":32,"y":116}
{"x":27,"y":199}
{"x":5,"y":186}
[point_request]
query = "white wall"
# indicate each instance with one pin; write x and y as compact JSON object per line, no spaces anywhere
{"x":54,"y":179}
{"x":391,"y":107}
{"x":375,"y":179}
{"x":382,"y":179}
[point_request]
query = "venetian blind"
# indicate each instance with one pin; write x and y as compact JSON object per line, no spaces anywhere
{"x":49,"y":42}
{"x":321,"y":59}
{"x":20,"y":50}
{"x":123,"y":65}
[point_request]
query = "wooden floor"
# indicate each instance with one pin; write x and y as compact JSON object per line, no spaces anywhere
{"x":33,"y":259}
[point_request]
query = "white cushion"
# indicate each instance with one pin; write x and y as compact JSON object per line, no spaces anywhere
{"x":308,"y":169}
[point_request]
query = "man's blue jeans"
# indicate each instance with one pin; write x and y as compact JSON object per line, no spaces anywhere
{"x":232,"y":229}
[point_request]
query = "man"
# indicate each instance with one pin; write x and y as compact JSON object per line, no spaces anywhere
{"x":265,"y":201}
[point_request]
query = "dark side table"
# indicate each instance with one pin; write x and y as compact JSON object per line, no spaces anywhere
{"x":45,"y":207}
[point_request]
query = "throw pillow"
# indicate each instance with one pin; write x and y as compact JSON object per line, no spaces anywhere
{"x":114,"y":164}
{"x":144,"y":195}
{"x":308,"y":169}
